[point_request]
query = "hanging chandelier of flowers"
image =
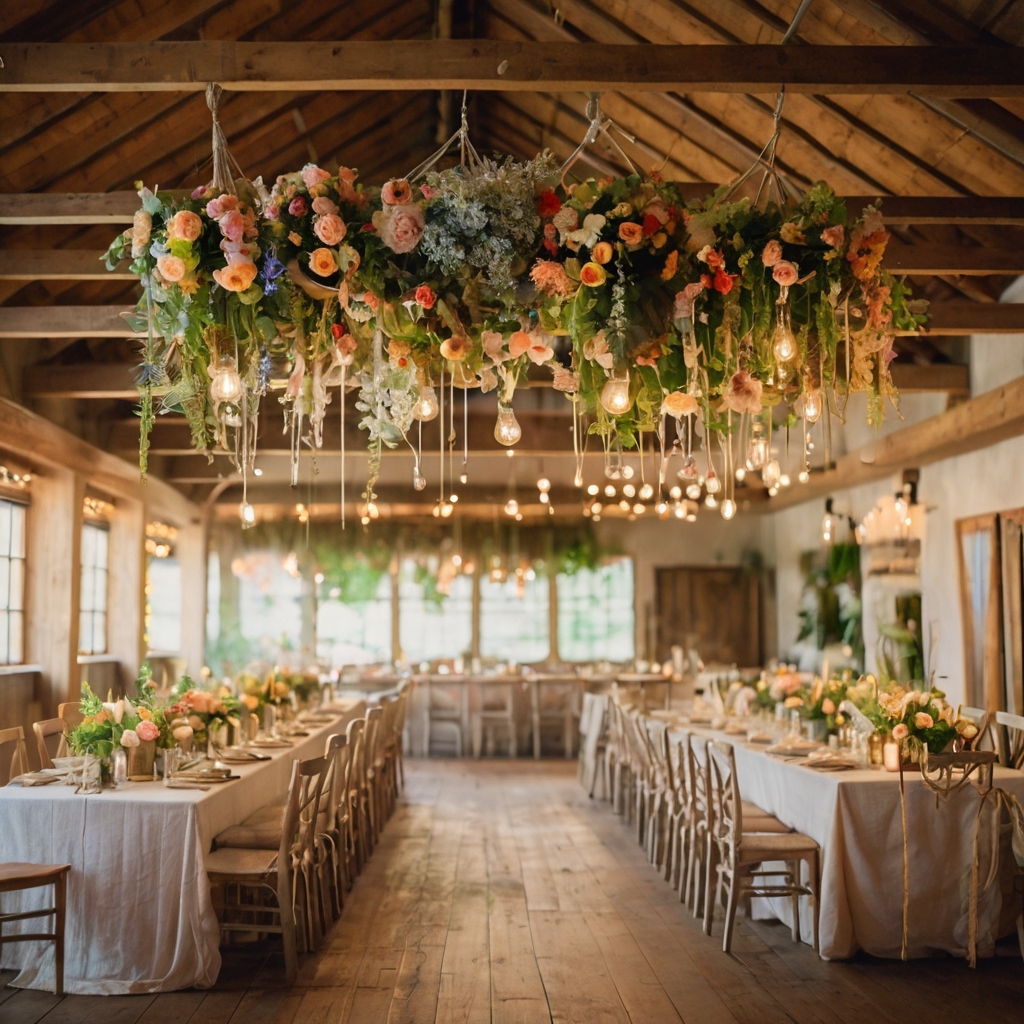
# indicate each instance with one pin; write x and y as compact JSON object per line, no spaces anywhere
{"x":645,"y":308}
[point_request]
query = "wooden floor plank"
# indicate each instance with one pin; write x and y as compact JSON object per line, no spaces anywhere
{"x":28,"y":1007}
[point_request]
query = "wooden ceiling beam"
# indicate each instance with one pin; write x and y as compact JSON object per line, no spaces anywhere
{"x":107,"y":322}
{"x":960,"y":71}
{"x":58,"y":265}
{"x":977,"y":423}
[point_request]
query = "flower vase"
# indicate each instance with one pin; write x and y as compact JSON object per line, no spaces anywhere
{"x":141,"y":760}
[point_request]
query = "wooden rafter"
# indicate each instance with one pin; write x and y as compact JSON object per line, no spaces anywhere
{"x":963,"y":71}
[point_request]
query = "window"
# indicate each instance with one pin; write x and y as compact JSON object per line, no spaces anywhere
{"x":433,"y":627}
{"x":12,"y":582}
{"x":595,"y":613}
{"x":163,"y":604}
{"x":269,"y":602}
{"x":92,"y":621}
{"x":355,"y":633}
{"x":514,"y":619}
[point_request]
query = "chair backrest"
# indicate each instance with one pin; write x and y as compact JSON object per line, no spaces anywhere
{"x":334,"y":782}
{"x":979,"y":716}
{"x":386,"y":728}
{"x":725,"y":820}
{"x":373,"y":720}
{"x":12,"y":742}
{"x":356,"y":733}
{"x":403,"y":710}
{"x":1014,"y":747}
{"x":312,"y":775}
{"x":71,"y":715}
{"x":698,"y":773}
{"x":43,"y":732}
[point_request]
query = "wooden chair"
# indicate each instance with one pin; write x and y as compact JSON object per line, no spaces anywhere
{"x":17,"y":877}
{"x":445,"y":711}
{"x":43,"y":732}
{"x":735,"y":854}
{"x":242,"y":878}
{"x":70,"y":714}
{"x":1013,"y":741}
{"x":554,"y":702}
{"x":494,"y":709}
{"x":359,"y":849}
{"x":370,"y":780}
{"x":593,"y":743}
{"x":12,"y":744}
{"x":328,"y":832}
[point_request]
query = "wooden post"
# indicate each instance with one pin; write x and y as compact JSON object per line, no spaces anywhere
{"x":52,"y":588}
{"x":126,"y":589}
{"x":192,"y":553}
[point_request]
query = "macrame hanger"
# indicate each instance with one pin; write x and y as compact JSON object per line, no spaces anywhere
{"x":599,"y":125}
{"x":468,"y":156}
{"x":225,"y":167}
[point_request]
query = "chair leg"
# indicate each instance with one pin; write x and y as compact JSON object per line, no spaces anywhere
{"x":709,"y":899}
{"x":730,"y":911}
{"x":288,"y":935}
{"x":816,"y":901}
{"x":794,"y":867}
{"x":60,"y":895}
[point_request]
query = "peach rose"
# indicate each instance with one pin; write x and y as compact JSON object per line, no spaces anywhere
{"x":923,"y":720}
{"x":593,"y":275}
{"x":183,"y":734}
{"x":400,"y":227}
{"x":396,"y":192}
{"x":147,"y":731}
{"x":236,"y":277}
{"x":631,"y":233}
{"x":772,"y":253}
{"x":322,"y":262}
{"x":186,"y":225}
{"x":602,"y":252}
{"x":313,"y":175}
{"x":828,"y":706}
{"x":129,"y":739}
{"x":216,"y":208}
{"x":680,"y":404}
{"x":834,"y":236}
{"x":171,"y":268}
{"x":324,"y":206}
{"x":455,"y":348}
{"x":900,"y":732}
{"x":330,"y":229}
{"x":785,"y":273}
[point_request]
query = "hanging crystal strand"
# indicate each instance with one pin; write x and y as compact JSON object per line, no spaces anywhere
{"x":464,"y":476}
{"x":451,"y":434}
{"x":661,"y":463}
{"x":341,"y":402}
{"x":440,"y":443}
{"x":577,"y":448}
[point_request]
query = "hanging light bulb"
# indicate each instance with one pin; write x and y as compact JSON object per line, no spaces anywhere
{"x":629,"y":490}
{"x":757,"y":448}
{"x":693,"y":491}
{"x":740,"y":473}
{"x":784,"y":480}
{"x":593,"y":489}
{"x":426,"y":406}
{"x":713,"y":484}
{"x":803,"y":476}
{"x":646,"y":492}
{"x":507,"y":430}
{"x":597,"y":508}
{"x":812,"y":405}
{"x":615,"y":394}
{"x":711,"y":501}
{"x":675,"y":493}
{"x":577,"y":480}
{"x":679,"y":510}
{"x":771,"y":473}
{"x":624,"y":505}
{"x":639,"y":509}
{"x":784,"y":347}
{"x":627,"y":472}
{"x":463,"y":478}
{"x":543,"y":485}
{"x":225,"y":382}
{"x":511,"y":507}
{"x":447,"y":509}
{"x":728,"y":508}
{"x":609,"y":491}
{"x":544,"y":497}
{"x":453,"y":498}
{"x":247,"y":514}
{"x":419,"y":481}
{"x":661,"y":508}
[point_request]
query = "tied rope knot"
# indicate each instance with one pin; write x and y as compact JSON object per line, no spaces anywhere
{"x":599,"y":124}
{"x":225,"y":167}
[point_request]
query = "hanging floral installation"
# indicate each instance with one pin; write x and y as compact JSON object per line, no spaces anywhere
{"x":644,"y":307}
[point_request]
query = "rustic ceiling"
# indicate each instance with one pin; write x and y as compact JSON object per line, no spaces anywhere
{"x":100,"y":142}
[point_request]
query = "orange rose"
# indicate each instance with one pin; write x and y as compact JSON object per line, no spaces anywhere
{"x":593,"y":275}
{"x":630,"y":233}
{"x":322,"y":262}
{"x":236,"y":277}
{"x":679,"y":404}
{"x":602,"y":252}
{"x":186,"y":225}
{"x":171,"y":268}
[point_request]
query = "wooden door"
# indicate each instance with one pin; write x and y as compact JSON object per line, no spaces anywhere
{"x":714,"y":609}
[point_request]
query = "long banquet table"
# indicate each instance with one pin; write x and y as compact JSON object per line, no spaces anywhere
{"x":854,"y":816}
{"x":139,"y":915}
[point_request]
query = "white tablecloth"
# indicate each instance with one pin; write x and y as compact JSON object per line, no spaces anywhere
{"x":854,"y":816}
{"x":139,"y":915}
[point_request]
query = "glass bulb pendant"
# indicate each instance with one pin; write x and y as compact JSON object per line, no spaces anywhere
{"x":812,"y":405}
{"x":713,"y":484}
{"x":693,"y":491}
{"x":615,"y":396}
{"x":225,"y":382}
{"x":511,"y":507}
{"x":757,"y":449}
{"x":784,"y":346}
{"x":247,"y":514}
{"x":689,"y":469}
{"x":426,"y":406}
{"x":507,"y":430}
{"x":771,"y":474}
{"x":419,"y":481}
{"x":728,"y":508}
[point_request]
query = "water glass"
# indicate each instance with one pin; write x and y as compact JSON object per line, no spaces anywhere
{"x":172,"y":758}
{"x":119,"y":768}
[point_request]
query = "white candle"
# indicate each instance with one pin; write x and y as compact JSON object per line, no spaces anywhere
{"x":891,"y":757}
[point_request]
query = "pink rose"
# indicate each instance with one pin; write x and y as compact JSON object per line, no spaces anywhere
{"x":772,"y":253}
{"x":198,"y":192}
{"x":900,"y":732}
{"x":147,"y":731}
{"x":297,"y":207}
{"x":171,"y":268}
{"x":428,"y":192}
{"x":834,"y":236}
{"x":232,"y":225}
{"x":923,"y":720}
{"x":272,"y":213}
{"x":330,"y":229}
{"x":186,"y":225}
{"x":785,"y":273}
{"x":401,"y":227}
{"x":396,"y":192}
{"x":685,"y":299}
{"x":313,"y":175}
{"x":324,"y":206}
{"x":216,"y":208}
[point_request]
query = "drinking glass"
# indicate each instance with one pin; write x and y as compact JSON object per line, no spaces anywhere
{"x":172,"y":757}
{"x":119,"y":768}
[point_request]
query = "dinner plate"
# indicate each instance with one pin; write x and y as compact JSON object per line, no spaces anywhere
{"x":271,"y":744}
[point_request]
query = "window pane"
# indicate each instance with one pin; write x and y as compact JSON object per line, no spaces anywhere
{"x":354,"y":634}
{"x":85,"y":633}
{"x":5,"y":575}
{"x":99,"y":633}
{"x":514,"y":620}
{"x":102,"y":539}
{"x":431,"y":626}
{"x":269,"y":601}
{"x":89,"y":544}
{"x":100,"y":594}
{"x":163,"y":595}
{"x":17,"y":530}
{"x":5,"y":658}
{"x":88,"y":588}
{"x":16,"y":591}
{"x":595,"y":613}
{"x":16,"y":648}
